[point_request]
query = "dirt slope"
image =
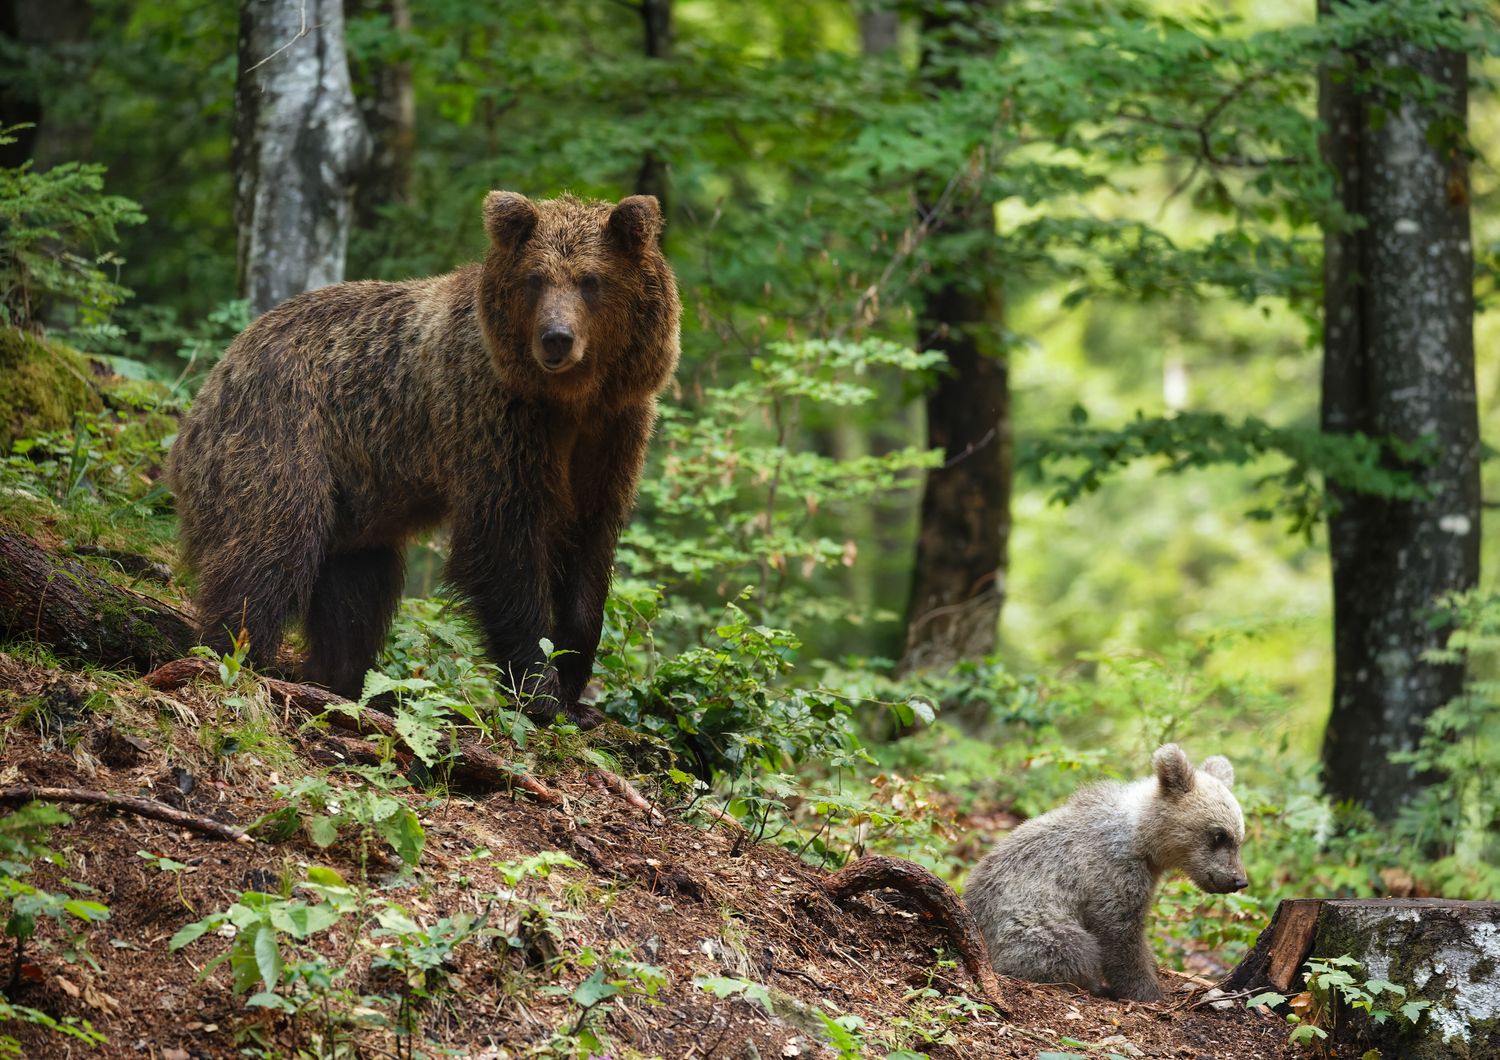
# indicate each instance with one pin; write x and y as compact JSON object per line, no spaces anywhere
{"x":697,"y":902}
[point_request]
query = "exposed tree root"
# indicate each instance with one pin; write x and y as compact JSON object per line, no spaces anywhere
{"x":136,"y":804}
{"x":936,"y":900}
{"x":620,"y":786}
{"x":475,"y":769}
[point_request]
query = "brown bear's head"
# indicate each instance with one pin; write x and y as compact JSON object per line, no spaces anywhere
{"x":1194,"y":822}
{"x":576,"y":300}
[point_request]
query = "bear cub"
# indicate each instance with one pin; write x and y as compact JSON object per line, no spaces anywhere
{"x":511,"y":401}
{"x":1064,"y":898}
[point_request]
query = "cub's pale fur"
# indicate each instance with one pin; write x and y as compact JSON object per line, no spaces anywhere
{"x":1064,"y":898}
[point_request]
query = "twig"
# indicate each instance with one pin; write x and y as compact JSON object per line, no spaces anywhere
{"x":301,"y":32}
{"x":136,"y":804}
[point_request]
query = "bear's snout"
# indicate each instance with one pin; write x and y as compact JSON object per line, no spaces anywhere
{"x":557,"y":348}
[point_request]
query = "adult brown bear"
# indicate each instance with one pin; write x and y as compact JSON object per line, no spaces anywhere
{"x":512,"y":400}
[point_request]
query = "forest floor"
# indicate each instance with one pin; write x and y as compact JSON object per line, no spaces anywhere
{"x":713,"y":912}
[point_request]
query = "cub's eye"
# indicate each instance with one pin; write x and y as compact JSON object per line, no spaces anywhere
{"x":1220,"y":839}
{"x":534,"y":281}
{"x":589,"y":284}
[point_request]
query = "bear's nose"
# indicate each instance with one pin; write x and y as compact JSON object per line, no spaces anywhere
{"x":557,"y":343}
{"x":1241,"y":882}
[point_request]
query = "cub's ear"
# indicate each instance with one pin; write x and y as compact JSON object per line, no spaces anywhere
{"x":1173,"y":770}
{"x":1219,"y":768}
{"x":635,"y":222}
{"x":509,"y":218}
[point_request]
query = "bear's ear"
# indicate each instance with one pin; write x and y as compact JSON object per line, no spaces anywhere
{"x":1173,"y":770}
{"x":1219,"y":768}
{"x":509,"y":218}
{"x":635,"y":222}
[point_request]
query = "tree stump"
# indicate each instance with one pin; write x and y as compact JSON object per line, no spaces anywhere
{"x":1442,"y":951}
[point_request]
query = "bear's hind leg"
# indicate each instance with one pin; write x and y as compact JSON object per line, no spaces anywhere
{"x":1049,"y":952}
{"x":254,"y":596}
{"x":351,"y":610}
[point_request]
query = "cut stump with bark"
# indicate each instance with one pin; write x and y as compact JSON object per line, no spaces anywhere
{"x":1441,"y":951}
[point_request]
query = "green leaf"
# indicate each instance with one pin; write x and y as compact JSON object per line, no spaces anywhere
{"x":267,"y":951}
{"x":594,"y":989}
{"x":193,"y":932}
{"x":1412,"y":1010}
{"x":325,"y":877}
{"x":404,"y":833}
{"x":322,"y":830}
{"x":1270,"y":997}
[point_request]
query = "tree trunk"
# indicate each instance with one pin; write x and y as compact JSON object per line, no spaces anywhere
{"x":879,"y":29}
{"x":656,"y":24}
{"x":1440,"y":951}
{"x":1398,"y":363}
{"x":958,"y":579}
{"x":53,"y":38}
{"x":389,"y":109}
{"x":61,"y":603}
{"x":299,"y":144}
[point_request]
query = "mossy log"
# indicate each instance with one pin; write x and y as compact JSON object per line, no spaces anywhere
{"x":1442,"y":951}
{"x":59,"y":602}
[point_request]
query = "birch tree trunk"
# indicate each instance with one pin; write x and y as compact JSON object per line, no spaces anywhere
{"x":299,"y":144}
{"x":1398,"y":363}
{"x":958,"y":579}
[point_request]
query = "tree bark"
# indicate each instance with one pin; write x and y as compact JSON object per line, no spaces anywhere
{"x":299,"y":145}
{"x":958,"y":578}
{"x":656,"y":25}
{"x":389,"y":108}
{"x":53,"y":37}
{"x":1441,"y":951}
{"x":61,"y":603}
{"x":1398,"y":363}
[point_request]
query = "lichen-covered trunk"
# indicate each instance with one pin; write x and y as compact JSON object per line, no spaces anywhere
{"x":299,"y":144}
{"x":1398,"y":364}
{"x":958,"y":578}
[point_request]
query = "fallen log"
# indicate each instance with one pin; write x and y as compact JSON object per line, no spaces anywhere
{"x":936,"y":900}
{"x":61,"y":603}
{"x":1441,"y":951}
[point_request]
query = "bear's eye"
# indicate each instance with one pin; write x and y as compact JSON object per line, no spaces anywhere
{"x":589,"y":284}
{"x":1220,"y":839}
{"x":534,"y":282}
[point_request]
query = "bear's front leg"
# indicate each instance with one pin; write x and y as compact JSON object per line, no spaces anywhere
{"x":1129,"y":966}
{"x":581,"y":588}
{"x":605,"y":469}
{"x":502,"y":577}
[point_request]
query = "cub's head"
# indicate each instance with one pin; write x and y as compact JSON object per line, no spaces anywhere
{"x":576,"y":300}
{"x":1194,"y":821}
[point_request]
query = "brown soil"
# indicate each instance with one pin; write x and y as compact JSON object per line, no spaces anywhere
{"x":694,"y":900}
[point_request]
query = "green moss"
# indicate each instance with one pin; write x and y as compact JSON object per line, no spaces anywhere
{"x":43,"y":385}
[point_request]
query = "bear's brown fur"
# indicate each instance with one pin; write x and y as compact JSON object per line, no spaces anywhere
{"x":512,"y":400}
